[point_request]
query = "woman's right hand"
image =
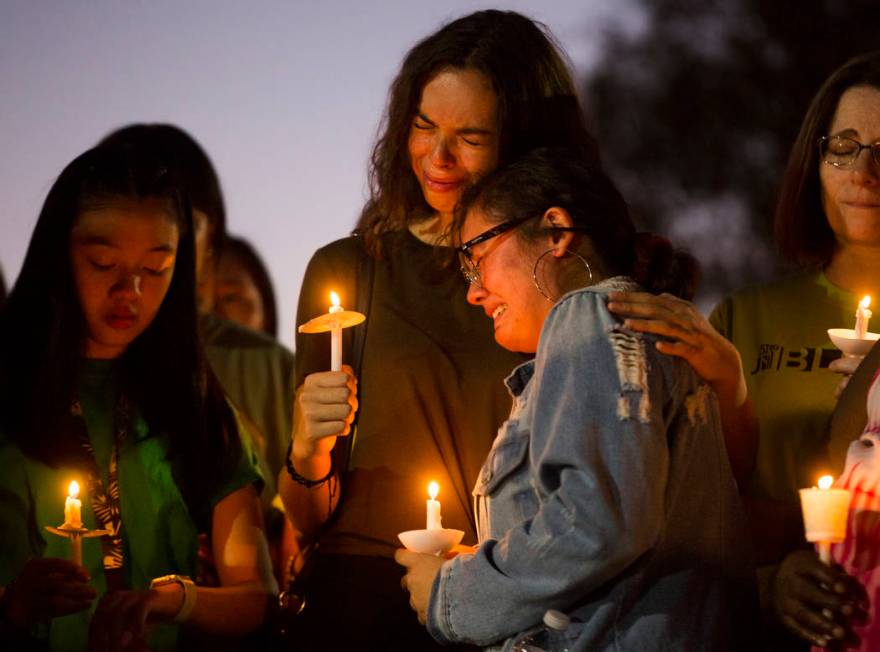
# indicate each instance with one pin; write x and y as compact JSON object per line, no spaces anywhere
{"x":325,"y":407}
{"x":713,"y":357}
{"x":817,"y":602}
{"x":47,"y":588}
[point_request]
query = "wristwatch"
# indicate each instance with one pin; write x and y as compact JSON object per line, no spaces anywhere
{"x":189,"y":594}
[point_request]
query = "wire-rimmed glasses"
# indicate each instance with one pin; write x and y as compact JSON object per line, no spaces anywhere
{"x":842,"y":151}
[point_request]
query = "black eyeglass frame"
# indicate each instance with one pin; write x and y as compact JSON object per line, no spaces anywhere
{"x":874,"y":147}
{"x":465,"y":248}
{"x":471,"y":270}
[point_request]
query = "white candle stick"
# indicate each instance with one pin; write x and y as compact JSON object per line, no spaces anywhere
{"x":76,"y":548}
{"x":434,"y":518}
{"x":825,"y":512}
{"x":335,"y":335}
{"x":862,"y":317}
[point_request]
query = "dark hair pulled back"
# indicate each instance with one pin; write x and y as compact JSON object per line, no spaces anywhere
{"x":565,"y":178}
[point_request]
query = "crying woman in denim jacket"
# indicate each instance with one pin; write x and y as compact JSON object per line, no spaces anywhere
{"x":607,"y":494}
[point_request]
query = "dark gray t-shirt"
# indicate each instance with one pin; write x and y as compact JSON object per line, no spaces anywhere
{"x":430,"y":390}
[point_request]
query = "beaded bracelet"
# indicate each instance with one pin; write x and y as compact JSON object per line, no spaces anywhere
{"x":304,"y":481}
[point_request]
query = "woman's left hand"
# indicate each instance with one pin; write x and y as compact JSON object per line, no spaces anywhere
{"x":421,"y":569}
{"x":120,"y":621}
{"x":690,"y":336}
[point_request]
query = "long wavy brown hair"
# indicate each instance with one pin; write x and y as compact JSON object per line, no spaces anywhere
{"x":531,"y":80}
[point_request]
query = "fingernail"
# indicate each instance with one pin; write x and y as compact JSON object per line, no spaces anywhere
{"x":827,"y":613}
{"x":847,"y":610}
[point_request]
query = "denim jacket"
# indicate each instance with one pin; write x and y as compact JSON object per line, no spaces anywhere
{"x":607,"y":495}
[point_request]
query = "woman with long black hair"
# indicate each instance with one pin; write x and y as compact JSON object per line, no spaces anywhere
{"x":103,"y":381}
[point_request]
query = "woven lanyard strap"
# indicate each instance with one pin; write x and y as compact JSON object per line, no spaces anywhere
{"x":105,"y":501}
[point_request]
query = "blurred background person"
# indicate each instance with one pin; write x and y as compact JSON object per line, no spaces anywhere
{"x":254,"y":369}
{"x":243,"y":290}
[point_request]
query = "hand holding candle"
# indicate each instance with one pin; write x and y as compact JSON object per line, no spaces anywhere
{"x":825,"y":512}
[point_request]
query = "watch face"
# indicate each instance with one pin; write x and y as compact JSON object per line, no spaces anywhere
{"x":169,"y":579}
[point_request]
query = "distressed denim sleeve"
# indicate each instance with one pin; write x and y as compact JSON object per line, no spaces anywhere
{"x":598,"y":462}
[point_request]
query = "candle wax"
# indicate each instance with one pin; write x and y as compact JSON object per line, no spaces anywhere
{"x":73,"y":507}
{"x":434,"y":518}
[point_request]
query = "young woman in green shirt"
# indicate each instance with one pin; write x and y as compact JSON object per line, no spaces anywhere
{"x":103,"y":381}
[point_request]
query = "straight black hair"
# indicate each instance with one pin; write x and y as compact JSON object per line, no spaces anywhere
{"x":163,"y":372}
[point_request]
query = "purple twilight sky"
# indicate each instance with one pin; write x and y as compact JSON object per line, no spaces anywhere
{"x":286,"y":98}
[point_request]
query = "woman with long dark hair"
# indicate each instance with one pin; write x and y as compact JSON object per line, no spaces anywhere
{"x":470,"y":96}
{"x":103,"y":381}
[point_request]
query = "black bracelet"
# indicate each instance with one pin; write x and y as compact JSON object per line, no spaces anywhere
{"x":304,"y":481}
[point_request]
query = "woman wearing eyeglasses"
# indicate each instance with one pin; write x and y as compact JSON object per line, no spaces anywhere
{"x":607,"y":494}
{"x":765,"y":348}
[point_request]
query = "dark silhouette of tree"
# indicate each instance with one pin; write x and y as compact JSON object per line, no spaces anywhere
{"x":696,"y":112}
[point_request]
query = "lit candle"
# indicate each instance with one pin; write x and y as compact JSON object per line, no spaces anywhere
{"x":73,"y":507}
{"x":825,"y":511}
{"x":73,"y":521}
{"x":334,"y":320}
{"x":433,"y":507}
{"x":862,"y":317}
{"x":335,"y":335}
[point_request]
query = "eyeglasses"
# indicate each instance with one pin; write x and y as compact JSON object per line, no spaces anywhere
{"x":842,"y":152}
{"x":470,"y":269}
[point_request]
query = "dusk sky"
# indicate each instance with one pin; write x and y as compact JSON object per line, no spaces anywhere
{"x":286,"y":98}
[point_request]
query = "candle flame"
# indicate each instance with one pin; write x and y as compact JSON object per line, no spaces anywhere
{"x":334,"y":299}
{"x":825,"y":482}
{"x":866,"y":301}
{"x":73,"y":490}
{"x":433,"y":490}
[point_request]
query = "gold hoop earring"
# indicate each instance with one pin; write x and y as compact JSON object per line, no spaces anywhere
{"x":535,"y":272}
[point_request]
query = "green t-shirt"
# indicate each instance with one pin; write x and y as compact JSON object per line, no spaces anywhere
{"x":158,"y":531}
{"x":780,"y":331}
{"x":256,"y":373}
